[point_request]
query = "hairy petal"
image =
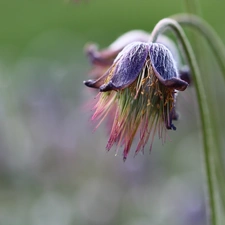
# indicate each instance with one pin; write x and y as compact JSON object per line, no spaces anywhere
{"x":164,"y":67}
{"x":168,"y":43}
{"x":126,"y":67}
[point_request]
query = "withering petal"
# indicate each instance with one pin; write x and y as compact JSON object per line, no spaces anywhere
{"x":104,"y":57}
{"x":164,"y":67}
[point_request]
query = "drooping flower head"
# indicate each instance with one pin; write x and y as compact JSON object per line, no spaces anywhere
{"x":139,"y":89}
{"x":102,"y":59}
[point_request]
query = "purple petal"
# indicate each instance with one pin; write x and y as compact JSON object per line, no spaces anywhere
{"x":164,"y":67}
{"x":127,"y":66}
{"x":168,"y":43}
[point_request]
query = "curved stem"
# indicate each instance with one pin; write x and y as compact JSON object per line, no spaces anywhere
{"x":192,"y":6}
{"x":208,"y":33}
{"x":218,"y":49}
{"x":207,"y":128}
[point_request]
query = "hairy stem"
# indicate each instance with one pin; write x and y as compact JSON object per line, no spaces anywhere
{"x":207,"y":128}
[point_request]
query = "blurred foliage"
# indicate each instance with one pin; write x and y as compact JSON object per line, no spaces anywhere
{"x":53,"y":168}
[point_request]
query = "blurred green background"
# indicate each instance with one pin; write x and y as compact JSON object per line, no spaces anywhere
{"x":53,"y":169}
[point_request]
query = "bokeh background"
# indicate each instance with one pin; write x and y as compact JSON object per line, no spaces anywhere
{"x":54,"y":170}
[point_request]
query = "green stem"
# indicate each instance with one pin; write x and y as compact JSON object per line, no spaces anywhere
{"x":208,"y":33}
{"x":207,"y":128}
{"x":192,"y":6}
{"x":218,"y":49}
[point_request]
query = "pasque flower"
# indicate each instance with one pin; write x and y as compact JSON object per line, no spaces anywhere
{"x":102,"y":59}
{"x":139,"y":90}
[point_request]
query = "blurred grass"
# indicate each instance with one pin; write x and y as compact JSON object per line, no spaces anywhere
{"x":53,"y":168}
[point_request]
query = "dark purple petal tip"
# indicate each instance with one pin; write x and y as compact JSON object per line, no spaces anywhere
{"x":175,"y":83}
{"x":91,"y":83}
{"x":107,"y":87}
{"x":97,"y":83}
{"x":88,"y":83}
